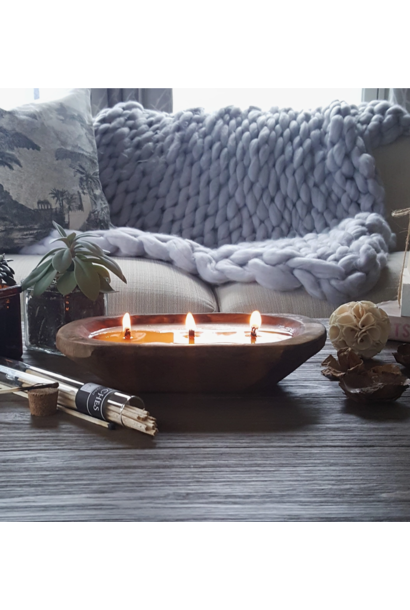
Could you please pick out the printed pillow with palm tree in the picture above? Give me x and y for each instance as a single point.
(49, 171)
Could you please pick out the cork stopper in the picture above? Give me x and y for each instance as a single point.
(42, 401)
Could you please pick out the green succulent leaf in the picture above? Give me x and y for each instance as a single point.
(62, 260)
(36, 274)
(59, 229)
(63, 239)
(85, 234)
(102, 271)
(87, 278)
(44, 282)
(105, 286)
(71, 238)
(66, 283)
(89, 248)
(110, 264)
(114, 267)
(104, 261)
(50, 253)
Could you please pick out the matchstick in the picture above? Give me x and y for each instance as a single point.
(37, 386)
(93, 420)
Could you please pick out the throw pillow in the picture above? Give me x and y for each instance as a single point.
(49, 170)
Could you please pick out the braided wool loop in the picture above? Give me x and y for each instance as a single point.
(242, 176)
(287, 199)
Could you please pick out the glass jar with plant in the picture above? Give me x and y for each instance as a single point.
(69, 283)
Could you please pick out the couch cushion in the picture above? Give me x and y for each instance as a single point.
(49, 170)
(152, 287)
(156, 287)
(245, 298)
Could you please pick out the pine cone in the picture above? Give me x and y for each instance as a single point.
(6, 273)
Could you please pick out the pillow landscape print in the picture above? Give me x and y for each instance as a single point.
(49, 171)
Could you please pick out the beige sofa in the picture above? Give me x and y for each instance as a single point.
(157, 287)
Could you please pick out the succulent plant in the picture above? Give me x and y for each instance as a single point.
(77, 263)
(6, 273)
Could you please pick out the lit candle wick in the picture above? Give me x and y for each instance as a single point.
(255, 322)
(190, 326)
(126, 326)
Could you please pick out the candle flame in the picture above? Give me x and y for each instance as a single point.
(190, 322)
(256, 320)
(126, 323)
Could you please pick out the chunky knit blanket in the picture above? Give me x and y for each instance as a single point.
(283, 198)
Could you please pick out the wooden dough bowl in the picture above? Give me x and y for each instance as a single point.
(153, 367)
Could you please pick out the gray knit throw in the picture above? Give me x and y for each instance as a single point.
(283, 198)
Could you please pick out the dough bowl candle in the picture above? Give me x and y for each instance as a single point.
(219, 352)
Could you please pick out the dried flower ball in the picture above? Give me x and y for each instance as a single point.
(360, 325)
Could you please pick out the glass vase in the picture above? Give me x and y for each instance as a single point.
(44, 315)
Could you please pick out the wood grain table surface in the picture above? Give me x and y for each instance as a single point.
(305, 453)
